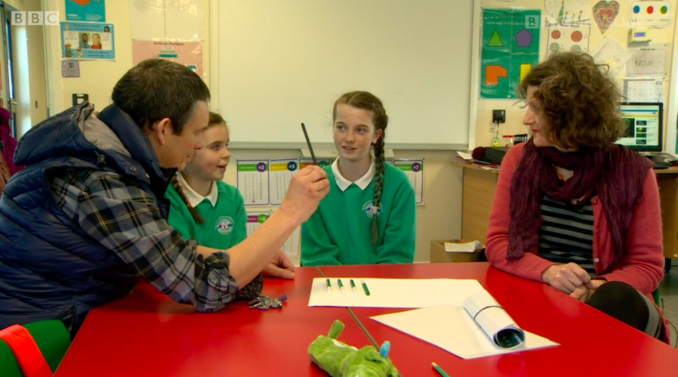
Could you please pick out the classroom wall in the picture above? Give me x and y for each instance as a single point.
(514, 112)
(34, 102)
(97, 77)
(439, 218)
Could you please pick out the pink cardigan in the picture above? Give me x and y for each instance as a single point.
(641, 267)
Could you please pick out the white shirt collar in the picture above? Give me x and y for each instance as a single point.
(344, 183)
(193, 197)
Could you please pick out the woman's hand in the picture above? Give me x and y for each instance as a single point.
(581, 293)
(595, 284)
(565, 277)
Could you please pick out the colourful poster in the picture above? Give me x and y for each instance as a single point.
(567, 12)
(510, 47)
(650, 13)
(414, 170)
(81, 40)
(568, 38)
(86, 10)
(188, 53)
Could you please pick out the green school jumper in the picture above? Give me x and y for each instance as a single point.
(225, 223)
(339, 230)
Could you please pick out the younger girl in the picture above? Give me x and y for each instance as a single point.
(205, 208)
(368, 215)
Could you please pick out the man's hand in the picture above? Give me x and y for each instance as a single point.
(307, 187)
(280, 266)
(565, 277)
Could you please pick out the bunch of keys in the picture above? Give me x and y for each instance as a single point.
(265, 302)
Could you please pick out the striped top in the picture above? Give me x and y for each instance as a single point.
(566, 233)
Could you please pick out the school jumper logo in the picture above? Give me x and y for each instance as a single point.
(224, 225)
(369, 209)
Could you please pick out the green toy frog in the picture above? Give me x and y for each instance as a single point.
(341, 360)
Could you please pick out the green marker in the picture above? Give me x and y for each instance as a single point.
(329, 288)
(439, 370)
(367, 291)
(341, 287)
(355, 291)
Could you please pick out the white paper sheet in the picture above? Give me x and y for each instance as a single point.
(649, 60)
(567, 11)
(465, 156)
(468, 247)
(610, 52)
(452, 329)
(568, 38)
(494, 320)
(644, 89)
(393, 293)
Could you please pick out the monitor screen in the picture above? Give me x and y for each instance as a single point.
(642, 126)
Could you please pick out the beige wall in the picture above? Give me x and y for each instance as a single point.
(440, 216)
(97, 77)
(514, 113)
(36, 101)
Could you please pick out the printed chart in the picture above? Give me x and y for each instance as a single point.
(510, 47)
(650, 13)
(280, 175)
(304, 162)
(255, 219)
(644, 90)
(253, 181)
(414, 170)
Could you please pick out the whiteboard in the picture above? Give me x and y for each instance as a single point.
(281, 63)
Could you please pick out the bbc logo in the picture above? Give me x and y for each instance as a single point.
(35, 18)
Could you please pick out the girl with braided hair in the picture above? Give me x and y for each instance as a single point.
(205, 208)
(368, 215)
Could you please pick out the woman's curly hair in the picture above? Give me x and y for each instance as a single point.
(578, 100)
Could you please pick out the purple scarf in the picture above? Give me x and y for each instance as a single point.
(616, 173)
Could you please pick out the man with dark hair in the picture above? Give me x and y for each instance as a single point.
(86, 217)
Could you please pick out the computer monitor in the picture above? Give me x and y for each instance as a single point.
(642, 126)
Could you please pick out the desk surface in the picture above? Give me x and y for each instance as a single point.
(591, 343)
(661, 173)
(146, 334)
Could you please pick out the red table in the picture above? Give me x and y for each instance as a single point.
(591, 343)
(146, 334)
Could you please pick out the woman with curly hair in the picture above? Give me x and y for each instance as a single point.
(571, 208)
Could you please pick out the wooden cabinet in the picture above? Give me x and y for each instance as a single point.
(478, 191)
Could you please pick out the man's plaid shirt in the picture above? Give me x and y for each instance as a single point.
(126, 220)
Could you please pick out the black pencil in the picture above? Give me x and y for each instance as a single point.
(308, 142)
